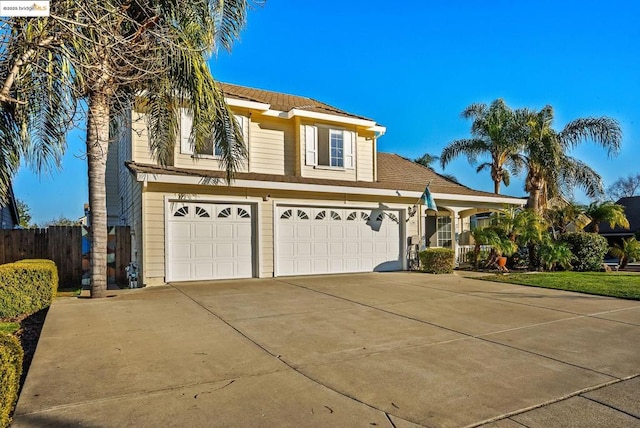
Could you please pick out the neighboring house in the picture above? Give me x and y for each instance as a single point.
(314, 196)
(9, 217)
(632, 211)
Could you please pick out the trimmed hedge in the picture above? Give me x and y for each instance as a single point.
(437, 260)
(11, 356)
(27, 286)
(588, 248)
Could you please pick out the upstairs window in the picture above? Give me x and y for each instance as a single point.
(325, 146)
(210, 150)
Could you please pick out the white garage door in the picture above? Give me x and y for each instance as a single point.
(209, 241)
(337, 240)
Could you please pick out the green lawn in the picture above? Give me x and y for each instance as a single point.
(614, 284)
(9, 327)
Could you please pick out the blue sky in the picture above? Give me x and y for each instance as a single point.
(415, 68)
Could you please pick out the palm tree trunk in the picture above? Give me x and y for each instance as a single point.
(97, 146)
(496, 187)
(534, 200)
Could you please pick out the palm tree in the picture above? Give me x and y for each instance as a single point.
(629, 249)
(427, 160)
(609, 212)
(493, 136)
(561, 217)
(102, 58)
(551, 171)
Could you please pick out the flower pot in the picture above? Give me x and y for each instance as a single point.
(502, 262)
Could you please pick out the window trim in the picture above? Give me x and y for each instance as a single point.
(440, 239)
(312, 142)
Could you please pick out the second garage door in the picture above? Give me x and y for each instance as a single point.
(314, 240)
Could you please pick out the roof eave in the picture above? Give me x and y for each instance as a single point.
(321, 188)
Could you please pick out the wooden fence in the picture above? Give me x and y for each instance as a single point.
(63, 245)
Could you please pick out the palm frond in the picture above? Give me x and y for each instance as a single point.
(471, 148)
(603, 131)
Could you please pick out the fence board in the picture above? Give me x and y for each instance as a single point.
(63, 245)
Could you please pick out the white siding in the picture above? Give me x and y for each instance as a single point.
(140, 139)
(268, 140)
(364, 158)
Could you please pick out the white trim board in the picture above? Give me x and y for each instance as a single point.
(323, 188)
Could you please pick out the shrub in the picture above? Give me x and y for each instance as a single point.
(437, 260)
(588, 248)
(555, 255)
(11, 356)
(27, 286)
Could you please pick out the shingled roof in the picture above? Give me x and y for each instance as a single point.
(632, 211)
(283, 102)
(394, 173)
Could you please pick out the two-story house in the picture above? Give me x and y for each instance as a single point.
(314, 196)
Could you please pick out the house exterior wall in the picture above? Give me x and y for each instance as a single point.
(155, 196)
(275, 146)
(114, 206)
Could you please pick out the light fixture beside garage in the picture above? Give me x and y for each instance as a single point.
(266, 197)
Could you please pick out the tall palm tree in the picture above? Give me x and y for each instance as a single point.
(493, 137)
(609, 212)
(97, 60)
(551, 171)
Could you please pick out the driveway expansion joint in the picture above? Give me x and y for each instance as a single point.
(279, 358)
(468, 335)
(557, 400)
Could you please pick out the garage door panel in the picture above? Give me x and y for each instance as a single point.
(336, 232)
(244, 231)
(286, 251)
(203, 270)
(303, 266)
(335, 248)
(320, 231)
(202, 250)
(224, 250)
(203, 231)
(321, 249)
(303, 231)
(225, 270)
(224, 231)
(209, 241)
(303, 249)
(244, 250)
(181, 232)
(182, 250)
(181, 271)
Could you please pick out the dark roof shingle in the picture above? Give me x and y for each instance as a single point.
(394, 173)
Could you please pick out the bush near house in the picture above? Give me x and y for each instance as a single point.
(27, 286)
(11, 356)
(588, 250)
(437, 260)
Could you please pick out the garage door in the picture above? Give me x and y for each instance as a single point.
(209, 241)
(336, 240)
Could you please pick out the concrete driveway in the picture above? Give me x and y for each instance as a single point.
(380, 349)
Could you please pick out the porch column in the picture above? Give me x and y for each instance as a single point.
(455, 230)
